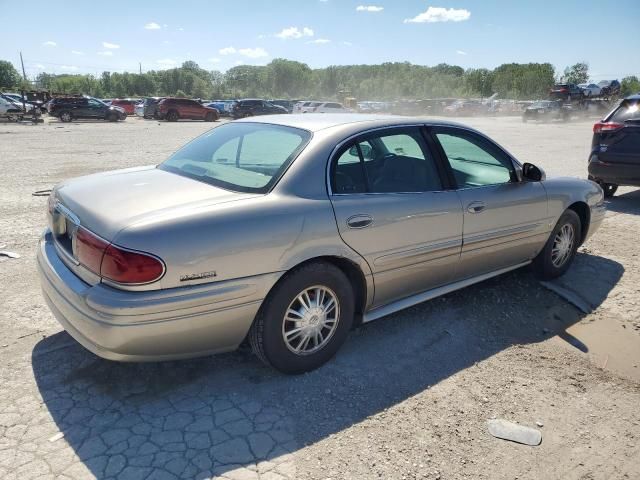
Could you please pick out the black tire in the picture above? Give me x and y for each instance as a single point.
(172, 116)
(65, 116)
(266, 335)
(543, 265)
(113, 117)
(210, 117)
(609, 189)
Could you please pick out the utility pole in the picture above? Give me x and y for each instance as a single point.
(23, 72)
(140, 64)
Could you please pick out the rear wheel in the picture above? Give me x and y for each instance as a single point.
(113, 117)
(172, 116)
(66, 116)
(609, 189)
(560, 249)
(304, 320)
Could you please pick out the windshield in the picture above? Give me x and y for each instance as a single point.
(244, 157)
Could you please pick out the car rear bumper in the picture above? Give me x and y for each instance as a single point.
(615, 173)
(156, 325)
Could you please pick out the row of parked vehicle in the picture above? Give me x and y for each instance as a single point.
(572, 91)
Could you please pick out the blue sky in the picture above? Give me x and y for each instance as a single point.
(83, 36)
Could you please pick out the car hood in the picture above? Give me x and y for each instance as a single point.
(106, 203)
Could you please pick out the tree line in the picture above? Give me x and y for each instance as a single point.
(290, 79)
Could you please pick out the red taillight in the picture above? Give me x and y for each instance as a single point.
(602, 127)
(563, 90)
(115, 263)
(126, 266)
(89, 249)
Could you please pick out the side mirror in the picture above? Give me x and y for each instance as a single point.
(532, 173)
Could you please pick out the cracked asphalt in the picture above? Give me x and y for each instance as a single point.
(407, 397)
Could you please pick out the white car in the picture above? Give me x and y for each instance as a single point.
(590, 89)
(8, 109)
(305, 107)
(331, 107)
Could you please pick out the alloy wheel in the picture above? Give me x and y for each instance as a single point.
(562, 245)
(311, 320)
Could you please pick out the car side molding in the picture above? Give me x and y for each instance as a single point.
(407, 302)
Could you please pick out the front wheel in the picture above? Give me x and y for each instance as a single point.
(66, 117)
(210, 117)
(113, 117)
(304, 320)
(172, 116)
(560, 250)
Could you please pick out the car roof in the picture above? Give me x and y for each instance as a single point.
(316, 122)
(633, 97)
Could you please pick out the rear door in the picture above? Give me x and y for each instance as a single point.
(505, 219)
(621, 145)
(392, 207)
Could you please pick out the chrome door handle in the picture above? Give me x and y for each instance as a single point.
(359, 221)
(476, 207)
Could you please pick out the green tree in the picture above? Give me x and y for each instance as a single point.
(578, 73)
(629, 86)
(9, 76)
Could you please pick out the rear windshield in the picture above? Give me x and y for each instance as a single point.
(628, 110)
(243, 157)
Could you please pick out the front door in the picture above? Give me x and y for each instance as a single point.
(505, 218)
(391, 207)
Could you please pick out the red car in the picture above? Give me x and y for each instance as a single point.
(129, 106)
(173, 109)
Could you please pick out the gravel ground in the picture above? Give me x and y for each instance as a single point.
(407, 397)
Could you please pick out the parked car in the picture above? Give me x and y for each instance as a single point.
(330, 107)
(9, 109)
(224, 107)
(615, 148)
(106, 101)
(127, 104)
(174, 109)
(609, 87)
(249, 107)
(70, 108)
(264, 229)
(305, 107)
(546, 110)
(288, 104)
(566, 92)
(590, 89)
(151, 106)
(465, 107)
(17, 102)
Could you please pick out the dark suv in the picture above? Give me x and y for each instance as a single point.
(566, 92)
(173, 109)
(248, 107)
(615, 149)
(151, 106)
(69, 108)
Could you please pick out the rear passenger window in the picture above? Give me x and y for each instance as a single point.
(628, 110)
(387, 163)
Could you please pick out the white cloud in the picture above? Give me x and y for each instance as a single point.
(439, 14)
(77, 52)
(49, 43)
(152, 26)
(369, 8)
(239, 62)
(215, 60)
(69, 68)
(110, 45)
(258, 52)
(320, 41)
(294, 32)
(347, 44)
(227, 51)
(106, 53)
(180, 29)
(167, 62)
(461, 52)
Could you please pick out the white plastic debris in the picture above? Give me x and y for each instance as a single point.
(6, 253)
(516, 433)
(56, 437)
